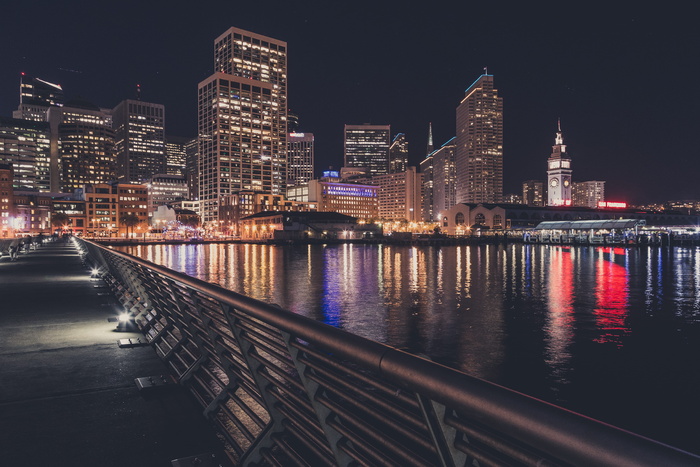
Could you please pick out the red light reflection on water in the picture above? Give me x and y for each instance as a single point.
(560, 303)
(612, 296)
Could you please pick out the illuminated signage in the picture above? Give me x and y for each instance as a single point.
(331, 174)
(612, 204)
(296, 135)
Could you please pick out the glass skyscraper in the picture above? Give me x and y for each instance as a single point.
(368, 146)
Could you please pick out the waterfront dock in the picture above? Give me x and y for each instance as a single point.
(68, 395)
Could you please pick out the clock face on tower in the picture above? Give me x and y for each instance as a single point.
(554, 182)
(566, 183)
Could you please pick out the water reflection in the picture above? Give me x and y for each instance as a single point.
(581, 326)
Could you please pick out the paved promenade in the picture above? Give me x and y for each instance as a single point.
(67, 391)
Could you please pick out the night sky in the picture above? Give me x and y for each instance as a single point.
(624, 81)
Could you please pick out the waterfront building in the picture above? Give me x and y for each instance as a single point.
(7, 202)
(398, 154)
(176, 154)
(286, 226)
(426, 169)
(236, 206)
(102, 214)
(165, 189)
(132, 209)
(469, 218)
(82, 146)
(444, 186)
(32, 212)
(559, 173)
(300, 158)
(75, 211)
(243, 119)
(331, 195)
(139, 129)
(588, 193)
(399, 195)
(35, 97)
(25, 144)
(367, 146)
(479, 144)
(534, 192)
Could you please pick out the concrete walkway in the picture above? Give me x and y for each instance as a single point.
(67, 391)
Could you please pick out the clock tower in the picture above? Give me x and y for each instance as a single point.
(559, 173)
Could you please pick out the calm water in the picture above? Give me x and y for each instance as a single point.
(607, 332)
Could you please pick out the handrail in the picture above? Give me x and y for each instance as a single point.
(282, 388)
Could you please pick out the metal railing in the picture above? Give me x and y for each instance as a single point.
(283, 389)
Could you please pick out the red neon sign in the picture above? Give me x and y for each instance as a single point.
(612, 204)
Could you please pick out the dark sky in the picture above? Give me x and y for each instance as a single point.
(623, 79)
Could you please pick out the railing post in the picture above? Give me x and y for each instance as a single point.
(254, 453)
(440, 433)
(322, 412)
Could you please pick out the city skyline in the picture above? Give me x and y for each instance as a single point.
(600, 74)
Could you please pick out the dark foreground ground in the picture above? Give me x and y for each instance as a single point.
(67, 390)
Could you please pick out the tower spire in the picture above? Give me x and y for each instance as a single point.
(430, 147)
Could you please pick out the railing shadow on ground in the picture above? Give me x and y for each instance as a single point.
(283, 389)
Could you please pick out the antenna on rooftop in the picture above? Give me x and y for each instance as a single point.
(138, 92)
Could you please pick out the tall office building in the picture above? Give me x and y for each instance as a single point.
(534, 192)
(559, 173)
(300, 158)
(479, 151)
(398, 154)
(26, 145)
(176, 154)
(399, 196)
(243, 119)
(426, 169)
(368, 146)
(444, 179)
(82, 145)
(139, 129)
(35, 98)
(192, 168)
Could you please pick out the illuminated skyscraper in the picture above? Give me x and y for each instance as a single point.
(243, 119)
(176, 154)
(368, 146)
(588, 194)
(398, 154)
(426, 169)
(534, 192)
(82, 146)
(140, 140)
(479, 151)
(430, 148)
(444, 179)
(559, 173)
(35, 98)
(26, 145)
(300, 158)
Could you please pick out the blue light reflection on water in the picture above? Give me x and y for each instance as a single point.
(613, 333)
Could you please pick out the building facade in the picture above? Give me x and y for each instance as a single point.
(82, 146)
(176, 154)
(139, 129)
(32, 213)
(243, 119)
(588, 194)
(398, 154)
(132, 209)
(479, 141)
(237, 206)
(534, 192)
(35, 97)
(559, 173)
(165, 189)
(426, 169)
(7, 201)
(444, 178)
(368, 146)
(300, 158)
(25, 144)
(399, 196)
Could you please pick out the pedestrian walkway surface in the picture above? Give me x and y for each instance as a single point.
(67, 391)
